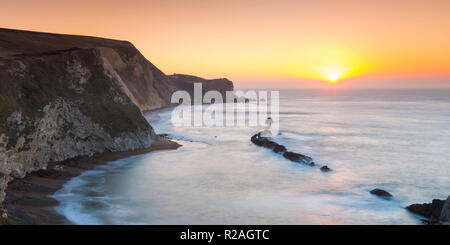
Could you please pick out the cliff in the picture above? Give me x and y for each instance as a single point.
(63, 96)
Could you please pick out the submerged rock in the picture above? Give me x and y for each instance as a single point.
(432, 210)
(381, 193)
(325, 169)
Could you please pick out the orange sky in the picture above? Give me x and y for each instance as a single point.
(404, 43)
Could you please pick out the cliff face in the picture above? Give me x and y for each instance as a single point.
(64, 96)
(139, 79)
(59, 106)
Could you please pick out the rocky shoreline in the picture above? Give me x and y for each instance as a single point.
(28, 201)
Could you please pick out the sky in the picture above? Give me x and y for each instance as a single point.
(265, 43)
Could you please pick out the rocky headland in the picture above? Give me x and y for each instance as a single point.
(65, 96)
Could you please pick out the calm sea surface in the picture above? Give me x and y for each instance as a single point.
(397, 140)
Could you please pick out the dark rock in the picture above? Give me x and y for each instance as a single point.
(279, 148)
(258, 140)
(381, 193)
(296, 157)
(325, 169)
(445, 214)
(263, 141)
(269, 144)
(432, 210)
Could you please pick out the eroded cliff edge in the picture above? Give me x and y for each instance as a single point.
(63, 96)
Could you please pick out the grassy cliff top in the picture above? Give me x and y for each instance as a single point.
(18, 42)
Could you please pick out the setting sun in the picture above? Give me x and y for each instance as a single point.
(332, 74)
(332, 78)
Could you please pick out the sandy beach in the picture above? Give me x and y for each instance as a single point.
(29, 200)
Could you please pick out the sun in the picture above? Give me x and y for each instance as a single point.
(332, 78)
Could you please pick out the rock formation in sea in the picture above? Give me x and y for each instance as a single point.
(63, 96)
(381, 193)
(436, 212)
(265, 142)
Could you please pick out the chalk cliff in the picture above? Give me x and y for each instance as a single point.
(62, 96)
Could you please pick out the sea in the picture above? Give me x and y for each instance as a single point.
(397, 140)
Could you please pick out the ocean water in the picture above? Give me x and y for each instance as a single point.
(397, 140)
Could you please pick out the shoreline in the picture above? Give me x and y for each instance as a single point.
(29, 200)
